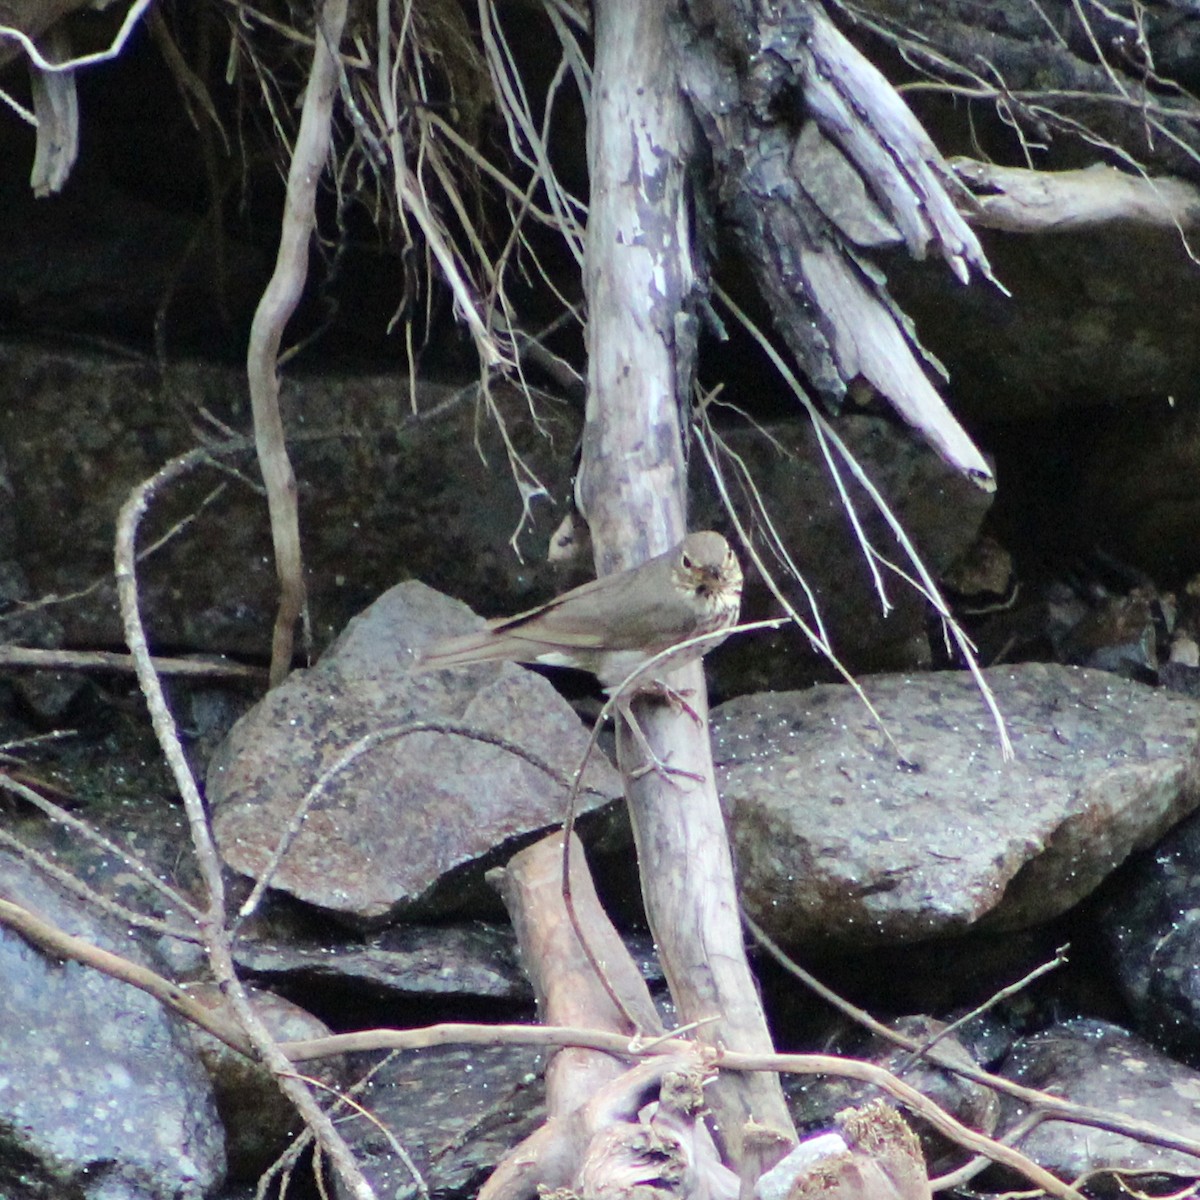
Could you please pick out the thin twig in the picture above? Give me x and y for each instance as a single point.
(84, 60)
(364, 745)
(62, 817)
(64, 945)
(70, 882)
(1054, 1107)
(826, 434)
(815, 636)
(14, 657)
(1050, 1107)
(1005, 993)
(212, 921)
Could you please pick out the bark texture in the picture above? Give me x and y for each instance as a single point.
(640, 278)
(817, 159)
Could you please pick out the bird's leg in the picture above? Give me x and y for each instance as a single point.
(653, 763)
(660, 690)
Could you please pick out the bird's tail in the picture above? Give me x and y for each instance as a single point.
(478, 647)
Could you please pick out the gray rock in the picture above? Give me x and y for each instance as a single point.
(1132, 485)
(101, 1095)
(1103, 1066)
(841, 843)
(405, 962)
(410, 825)
(383, 493)
(457, 1110)
(1151, 919)
(1097, 317)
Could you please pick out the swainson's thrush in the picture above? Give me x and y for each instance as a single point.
(616, 624)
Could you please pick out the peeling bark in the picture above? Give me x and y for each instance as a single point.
(601, 1138)
(791, 111)
(640, 279)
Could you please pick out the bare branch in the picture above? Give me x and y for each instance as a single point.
(27, 657)
(279, 300)
(84, 60)
(1023, 201)
(212, 921)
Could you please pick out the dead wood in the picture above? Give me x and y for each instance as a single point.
(63, 945)
(1024, 201)
(804, 197)
(882, 1161)
(595, 1140)
(212, 919)
(567, 992)
(640, 279)
(525, 1167)
(561, 973)
(309, 157)
(56, 105)
(32, 658)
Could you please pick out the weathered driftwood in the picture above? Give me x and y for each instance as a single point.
(874, 1156)
(791, 112)
(640, 279)
(1024, 201)
(600, 1139)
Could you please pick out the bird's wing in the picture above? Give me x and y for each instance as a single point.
(626, 611)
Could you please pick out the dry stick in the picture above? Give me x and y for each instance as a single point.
(1059, 959)
(347, 1101)
(804, 1064)
(103, 660)
(980, 1162)
(286, 1161)
(1053, 1106)
(642, 285)
(64, 945)
(278, 302)
(212, 921)
(71, 883)
(25, 743)
(915, 1102)
(60, 816)
(623, 691)
(23, 608)
(410, 197)
(84, 60)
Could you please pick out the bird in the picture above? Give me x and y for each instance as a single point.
(615, 625)
(625, 628)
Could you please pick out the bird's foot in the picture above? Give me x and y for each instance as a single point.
(664, 771)
(653, 763)
(658, 690)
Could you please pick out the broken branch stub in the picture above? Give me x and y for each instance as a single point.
(747, 72)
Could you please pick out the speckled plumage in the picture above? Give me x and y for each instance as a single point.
(615, 624)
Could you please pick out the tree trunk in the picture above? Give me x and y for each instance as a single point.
(640, 277)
